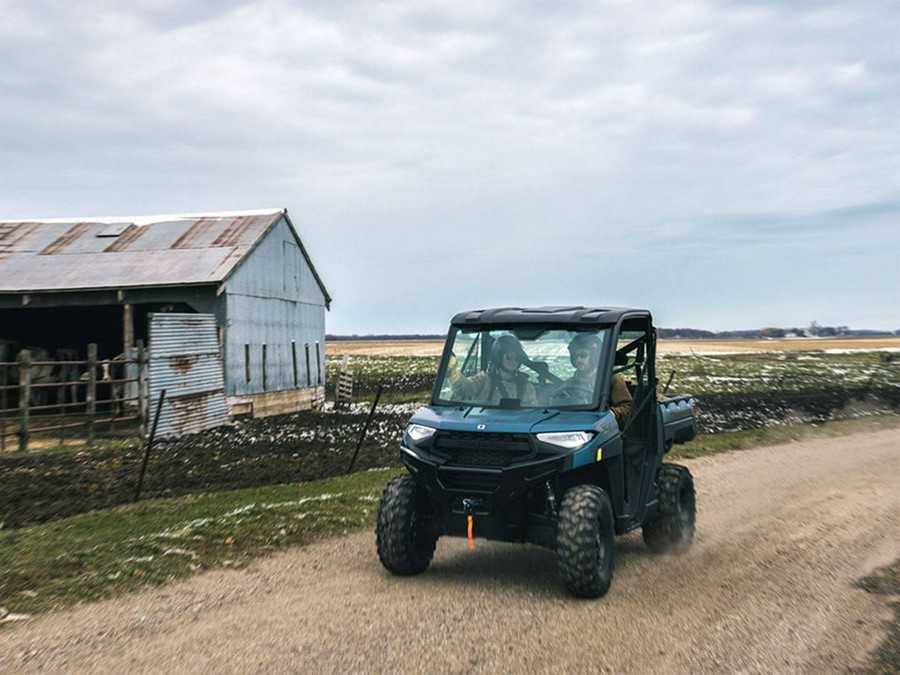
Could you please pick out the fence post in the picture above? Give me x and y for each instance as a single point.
(4, 378)
(90, 398)
(143, 403)
(24, 397)
(365, 430)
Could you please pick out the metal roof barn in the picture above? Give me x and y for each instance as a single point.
(67, 282)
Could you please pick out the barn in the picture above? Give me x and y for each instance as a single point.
(230, 305)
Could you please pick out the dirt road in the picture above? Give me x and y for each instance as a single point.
(783, 533)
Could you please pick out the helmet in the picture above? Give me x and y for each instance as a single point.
(506, 344)
(585, 342)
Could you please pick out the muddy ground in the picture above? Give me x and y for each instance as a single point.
(40, 486)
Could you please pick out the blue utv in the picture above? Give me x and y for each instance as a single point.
(545, 426)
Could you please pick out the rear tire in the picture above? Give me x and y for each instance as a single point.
(585, 541)
(405, 533)
(672, 530)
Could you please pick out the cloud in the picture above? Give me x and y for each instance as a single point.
(414, 143)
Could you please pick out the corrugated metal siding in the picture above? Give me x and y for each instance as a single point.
(257, 321)
(186, 363)
(273, 298)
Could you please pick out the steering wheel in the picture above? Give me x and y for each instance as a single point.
(571, 391)
(543, 371)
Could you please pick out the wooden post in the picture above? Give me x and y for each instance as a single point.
(90, 398)
(127, 328)
(143, 395)
(3, 380)
(24, 397)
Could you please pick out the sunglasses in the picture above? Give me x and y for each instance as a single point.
(581, 355)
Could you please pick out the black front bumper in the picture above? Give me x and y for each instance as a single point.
(506, 503)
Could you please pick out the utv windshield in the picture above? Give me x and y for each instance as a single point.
(526, 367)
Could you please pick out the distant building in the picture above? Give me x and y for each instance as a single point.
(65, 283)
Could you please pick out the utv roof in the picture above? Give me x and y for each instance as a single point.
(550, 315)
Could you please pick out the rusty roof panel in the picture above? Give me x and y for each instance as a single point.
(121, 270)
(201, 234)
(235, 233)
(126, 239)
(26, 237)
(12, 234)
(69, 238)
(162, 250)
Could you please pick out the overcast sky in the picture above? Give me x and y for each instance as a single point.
(725, 164)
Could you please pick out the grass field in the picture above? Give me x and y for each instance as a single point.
(407, 367)
(433, 347)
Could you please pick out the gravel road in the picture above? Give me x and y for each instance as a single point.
(783, 533)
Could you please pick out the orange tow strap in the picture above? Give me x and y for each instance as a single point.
(471, 538)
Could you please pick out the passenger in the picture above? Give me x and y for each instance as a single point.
(501, 380)
(584, 353)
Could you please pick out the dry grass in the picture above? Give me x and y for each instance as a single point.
(776, 345)
(385, 348)
(434, 347)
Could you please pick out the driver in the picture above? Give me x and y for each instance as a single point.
(584, 353)
(501, 380)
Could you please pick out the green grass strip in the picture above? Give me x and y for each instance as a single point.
(105, 553)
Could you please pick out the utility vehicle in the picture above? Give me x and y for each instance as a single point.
(529, 437)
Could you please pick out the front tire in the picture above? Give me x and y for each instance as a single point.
(585, 541)
(405, 533)
(672, 530)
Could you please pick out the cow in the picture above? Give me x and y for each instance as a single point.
(42, 374)
(113, 373)
(67, 372)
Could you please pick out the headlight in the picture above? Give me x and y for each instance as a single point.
(571, 440)
(417, 432)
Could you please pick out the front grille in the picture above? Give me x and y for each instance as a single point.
(468, 448)
(469, 480)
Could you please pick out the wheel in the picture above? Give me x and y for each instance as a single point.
(585, 540)
(672, 530)
(405, 533)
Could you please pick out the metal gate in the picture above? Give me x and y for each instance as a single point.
(185, 361)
